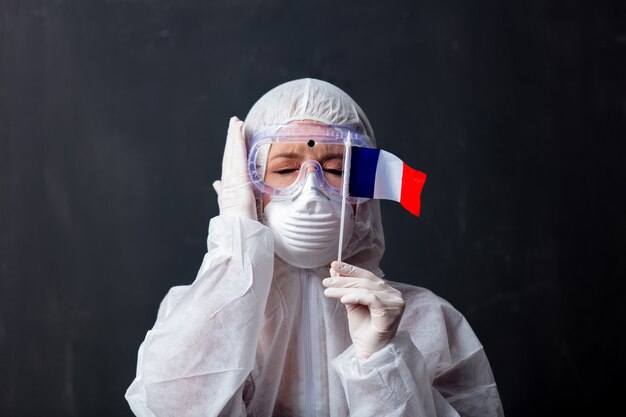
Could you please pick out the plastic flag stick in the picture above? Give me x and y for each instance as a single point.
(344, 193)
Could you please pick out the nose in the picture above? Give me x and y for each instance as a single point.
(310, 184)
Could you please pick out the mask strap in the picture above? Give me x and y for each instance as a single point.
(344, 192)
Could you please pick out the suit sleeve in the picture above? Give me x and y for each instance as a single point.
(197, 358)
(450, 377)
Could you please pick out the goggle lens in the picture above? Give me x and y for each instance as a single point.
(281, 163)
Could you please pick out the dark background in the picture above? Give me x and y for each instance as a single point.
(113, 116)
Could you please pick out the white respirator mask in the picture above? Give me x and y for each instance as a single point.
(306, 226)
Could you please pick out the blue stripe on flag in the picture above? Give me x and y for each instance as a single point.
(363, 171)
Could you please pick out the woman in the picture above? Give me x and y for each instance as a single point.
(263, 330)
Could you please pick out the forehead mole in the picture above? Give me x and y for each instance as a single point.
(311, 143)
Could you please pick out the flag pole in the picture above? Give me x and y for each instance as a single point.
(344, 193)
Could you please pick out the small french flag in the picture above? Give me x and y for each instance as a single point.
(375, 173)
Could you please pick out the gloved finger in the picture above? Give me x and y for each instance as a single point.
(349, 295)
(217, 186)
(234, 161)
(387, 298)
(348, 270)
(365, 299)
(350, 282)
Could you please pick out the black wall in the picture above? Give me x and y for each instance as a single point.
(113, 116)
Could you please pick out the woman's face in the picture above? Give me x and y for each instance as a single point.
(285, 159)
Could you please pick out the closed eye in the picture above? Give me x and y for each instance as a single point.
(285, 171)
(334, 171)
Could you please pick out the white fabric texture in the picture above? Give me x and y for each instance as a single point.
(254, 336)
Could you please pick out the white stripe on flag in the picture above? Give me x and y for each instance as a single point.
(388, 182)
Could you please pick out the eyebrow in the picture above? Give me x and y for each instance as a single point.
(332, 156)
(287, 155)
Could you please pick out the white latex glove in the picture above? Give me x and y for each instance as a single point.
(234, 191)
(374, 308)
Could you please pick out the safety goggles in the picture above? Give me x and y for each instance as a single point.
(282, 159)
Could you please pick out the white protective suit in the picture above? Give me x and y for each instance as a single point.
(255, 336)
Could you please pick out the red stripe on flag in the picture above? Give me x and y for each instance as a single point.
(412, 184)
